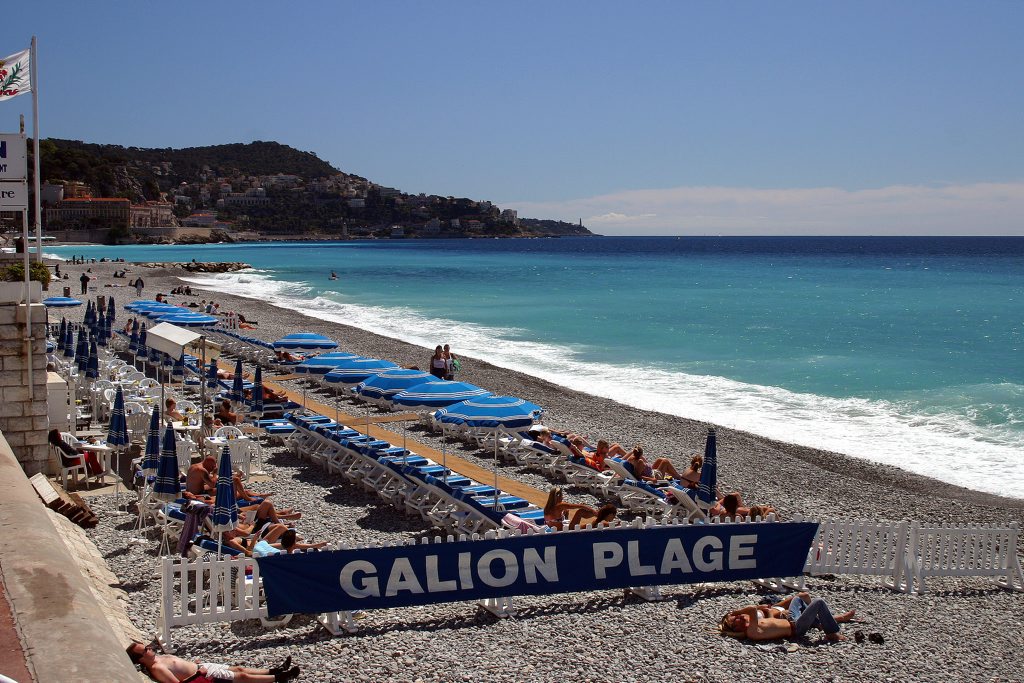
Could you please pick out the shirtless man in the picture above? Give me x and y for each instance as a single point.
(791, 618)
(171, 669)
(200, 481)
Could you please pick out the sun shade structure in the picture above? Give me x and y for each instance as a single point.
(151, 459)
(356, 370)
(304, 341)
(166, 487)
(225, 512)
(439, 394)
(390, 382)
(61, 302)
(707, 490)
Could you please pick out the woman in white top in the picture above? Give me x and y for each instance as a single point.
(438, 364)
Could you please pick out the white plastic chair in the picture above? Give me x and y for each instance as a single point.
(228, 432)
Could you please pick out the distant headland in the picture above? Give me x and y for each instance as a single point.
(241, 192)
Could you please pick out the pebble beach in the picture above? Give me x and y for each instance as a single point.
(960, 630)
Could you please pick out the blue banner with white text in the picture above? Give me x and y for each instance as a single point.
(538, 564)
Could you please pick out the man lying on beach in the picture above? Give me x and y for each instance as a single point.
(171, 669)
(791, 618)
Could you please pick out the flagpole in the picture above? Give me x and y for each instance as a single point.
(34, 77)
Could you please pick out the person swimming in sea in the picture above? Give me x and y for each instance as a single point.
(334, 276)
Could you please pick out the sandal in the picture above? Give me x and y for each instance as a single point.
(876, 638)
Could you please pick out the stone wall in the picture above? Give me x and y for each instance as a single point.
(23, 413)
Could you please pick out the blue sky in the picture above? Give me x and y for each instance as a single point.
(640, 118)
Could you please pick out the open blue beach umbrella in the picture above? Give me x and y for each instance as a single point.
(151, 458)
(324, 363)
(305, 341)
(491, 412)
(390, 382)
(167, 488)
(707, 490)
(211, 375)
(237, 383)
(225, 512)
(92, 366)
(61, 302)
(257, 392)
(188, 319)
(438, 394)
(139, 304)
(117, 432)
(356, 370)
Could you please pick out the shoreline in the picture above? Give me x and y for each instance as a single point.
(870, 489)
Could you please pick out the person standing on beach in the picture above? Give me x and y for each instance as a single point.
(85, 283)
(139, 284)
(438, 364)
(451, 363)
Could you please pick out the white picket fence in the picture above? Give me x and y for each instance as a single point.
(203, 592)
(904, 554)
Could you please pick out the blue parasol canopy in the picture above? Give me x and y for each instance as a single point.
(707, 492)
(151, 458)
(390, 382)
(62, 335)
(324, 363)
(117, 433)
(178, 370)
(237, 383)
(438, 394)
(143, 351)
(101, 330)
(188, 319)
(166, 488)
(355, 370)
(69, 343)
(305, 341)
(110, 309)
(60, 302)
(82, 351)
(491, 412)
(133, 340)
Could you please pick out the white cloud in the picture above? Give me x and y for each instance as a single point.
(948, 209)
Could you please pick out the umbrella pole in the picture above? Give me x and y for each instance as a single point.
(495, 469)
(220, 544)
(336, 399)
(405, 449)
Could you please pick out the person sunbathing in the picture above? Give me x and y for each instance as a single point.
(659, 470)
(557, 512)
(288, 357)
(171, 669)
(200, 481)
(790, 618)
(288, 543)
(729, 505)
(225, 415)
(247, 500)
(691, 477)
(589, 517)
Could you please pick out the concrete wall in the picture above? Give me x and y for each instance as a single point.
(23, 411)
(63, 630)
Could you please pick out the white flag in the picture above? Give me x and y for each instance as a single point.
(14, 75)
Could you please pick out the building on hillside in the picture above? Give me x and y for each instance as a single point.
(89, 213)
(510, 216)
(432, 227)
(51, 193)
(152, 215)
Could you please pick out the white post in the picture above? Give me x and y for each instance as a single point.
(34, 76)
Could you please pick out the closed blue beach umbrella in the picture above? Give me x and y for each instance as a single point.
(355, 370)
(237, 383)
(390, 382)
(117, 433)
(211, 375)
(708, 488)
(69, 343)
(257, 392)
(82, 351)
(110, 309)
(62, 335)
(225, 512)
(101, 330)
(178, 370)
(167, 488)
(151, 459)
(61, 302)
(87, 317)
(143, 351)
(305, 341)
(439, 394)
(133, 340)
(92, 366)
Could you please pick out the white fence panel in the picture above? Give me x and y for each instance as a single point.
(964, 550)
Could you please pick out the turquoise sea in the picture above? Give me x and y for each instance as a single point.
(906, 351)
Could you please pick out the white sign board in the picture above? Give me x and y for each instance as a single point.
(14, 196)
(13, 157)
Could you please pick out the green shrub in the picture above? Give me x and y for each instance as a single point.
(16, 273)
